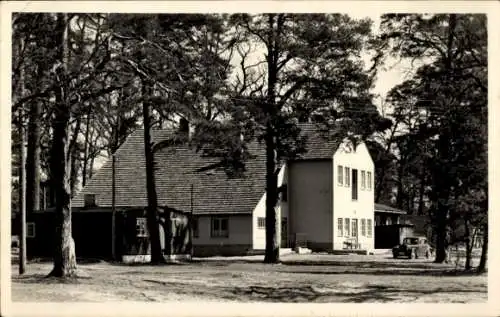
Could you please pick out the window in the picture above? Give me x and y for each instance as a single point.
(363, 180)
(369, 227)
(369, 180)
(30, 230)
(195, 228)
(363, 227)
(354, 184)
(261, 222)
(89, 200)
(340, 176)
(340, 227)
(388, 221)
(396, 220)
(347, 176)
(220, 228)
(141, 227)
(347, 227)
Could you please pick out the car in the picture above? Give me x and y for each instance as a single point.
(412, 248)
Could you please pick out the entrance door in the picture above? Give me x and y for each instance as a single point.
(284, 233)
(354, 232)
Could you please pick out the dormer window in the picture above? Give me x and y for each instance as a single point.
(89, 200)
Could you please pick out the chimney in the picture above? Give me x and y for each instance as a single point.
(185, 129)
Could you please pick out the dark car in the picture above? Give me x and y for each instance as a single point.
(412, 248)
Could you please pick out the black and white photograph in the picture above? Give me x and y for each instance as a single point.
(247, 157)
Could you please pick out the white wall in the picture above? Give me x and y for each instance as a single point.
(310, 203)
(240, 230)
(343, 205)
(259, 234)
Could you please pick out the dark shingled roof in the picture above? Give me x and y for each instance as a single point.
(388, 209)
(180, 166)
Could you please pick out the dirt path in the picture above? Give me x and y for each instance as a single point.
(311, 278)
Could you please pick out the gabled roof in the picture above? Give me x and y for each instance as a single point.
(180, 168)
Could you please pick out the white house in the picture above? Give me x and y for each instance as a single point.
(326, 195)
(329, 203)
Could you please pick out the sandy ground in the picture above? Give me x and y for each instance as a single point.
(300, 278)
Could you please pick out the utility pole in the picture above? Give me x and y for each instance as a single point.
(22, 193)
(113, 180)
(113, 207)
(190, 224)
(22, 171)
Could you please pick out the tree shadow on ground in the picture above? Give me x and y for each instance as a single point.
(392, 271)
(279, 294)
(369, 293)
(148, 264)
(79, 261)
(363, 264)
(43, 279)
(374, 292)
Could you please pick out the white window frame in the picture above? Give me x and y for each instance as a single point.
(363, 227)
(369, 228)
(219, 233)
(33, 232)
(347, 227)
(369, 180)
(340, 176)
(347, 172)
(141, 227)
(340, 227)
(261, 222)
(363, 180)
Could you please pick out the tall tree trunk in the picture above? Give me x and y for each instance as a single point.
(484, 252)
(400, 192)
(272, 241)
(33, 159)
(75, 156)
(441, 179)
(421, 193)
(441, 239)
(64, 253)
(91, 167)
(86, 148)
(468, 245)
(152, 210)
(380, 180)
(22, 167)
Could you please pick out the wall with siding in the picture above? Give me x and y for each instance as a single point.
(310, 203)
(92, 234)
(239, 226)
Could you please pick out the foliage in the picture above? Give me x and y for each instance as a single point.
(446, 104)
